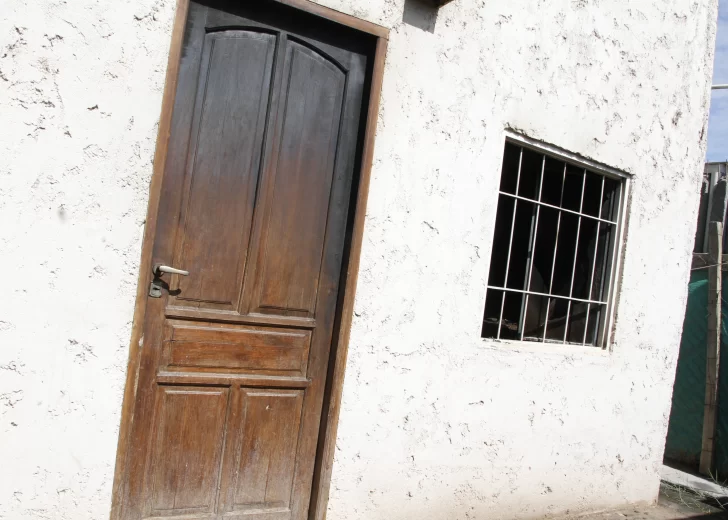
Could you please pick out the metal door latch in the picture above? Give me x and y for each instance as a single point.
(155, 288)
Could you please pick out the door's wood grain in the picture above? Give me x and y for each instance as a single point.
(188, 444)
(293, 239)
(234, 317)
(262, 459)
(260, 350)
(202, 377)
(223, 163)
(261, 165)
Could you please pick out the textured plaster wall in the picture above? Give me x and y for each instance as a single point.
(80, 93)
(436, 422)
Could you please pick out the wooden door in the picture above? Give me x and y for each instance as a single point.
(255, 204)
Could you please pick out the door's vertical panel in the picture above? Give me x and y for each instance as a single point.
(294, 221)
(262, 458)
(185, 463)
(223, 164)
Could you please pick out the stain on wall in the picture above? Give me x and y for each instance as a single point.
(436, 422)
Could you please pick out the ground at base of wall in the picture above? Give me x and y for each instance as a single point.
(675, 502)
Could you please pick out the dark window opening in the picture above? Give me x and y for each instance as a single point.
(553, 250)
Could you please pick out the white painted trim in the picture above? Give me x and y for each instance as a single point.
(565, 155)
(615, 279)
(548, 347)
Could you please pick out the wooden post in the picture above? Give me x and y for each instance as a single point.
(715, 279)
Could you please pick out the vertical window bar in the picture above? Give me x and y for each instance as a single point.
(566, 323)
(594, 265)
(553, 260)
(532, 244)
(510, 244)
(576, 250)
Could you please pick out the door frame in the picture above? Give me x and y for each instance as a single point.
(349, 273)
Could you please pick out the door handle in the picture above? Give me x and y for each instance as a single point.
(160, 269)
(155, 288)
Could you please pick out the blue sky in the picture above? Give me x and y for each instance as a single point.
(718, 125)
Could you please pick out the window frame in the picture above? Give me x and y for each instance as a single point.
(606, 322)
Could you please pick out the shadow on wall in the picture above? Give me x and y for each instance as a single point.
(421, 14)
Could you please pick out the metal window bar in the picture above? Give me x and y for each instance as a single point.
(576, 251)
(556, 296)
(532, 245)
(594, 265)
(577, 213)
(611, 239)
(553, 260)
(609, 261)
(510, 243)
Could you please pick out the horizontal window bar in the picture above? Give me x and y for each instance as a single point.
(533, 293)
(556, 207)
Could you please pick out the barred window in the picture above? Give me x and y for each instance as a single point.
(554, 250)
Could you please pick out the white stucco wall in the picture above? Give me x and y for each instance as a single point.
(80, 93)
(436, 422)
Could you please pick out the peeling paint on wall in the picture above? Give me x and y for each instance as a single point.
(436, 422)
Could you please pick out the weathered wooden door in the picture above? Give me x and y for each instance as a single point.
(255, 204)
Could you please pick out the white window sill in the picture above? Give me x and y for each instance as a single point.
(533, 347)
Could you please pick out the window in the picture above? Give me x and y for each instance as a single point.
(554, 250)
